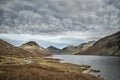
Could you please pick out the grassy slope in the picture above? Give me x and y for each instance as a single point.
(108, 46)
(40, 69)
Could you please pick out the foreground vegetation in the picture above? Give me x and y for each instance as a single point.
(41, 69)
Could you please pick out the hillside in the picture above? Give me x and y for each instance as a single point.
(7, 49)
(109, 45)
(54, 50)
(19, 64)
(34, 48)
(71, 49)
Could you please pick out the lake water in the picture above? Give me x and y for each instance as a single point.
(108, 65)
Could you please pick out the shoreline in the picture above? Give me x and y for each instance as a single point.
(49, 66)
(86, 68)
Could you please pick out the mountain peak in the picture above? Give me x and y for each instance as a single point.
(34, 48)
(109, 45)
(54, 50)
(52, 47)
(5, 44)
(31, 43)
(7, 49)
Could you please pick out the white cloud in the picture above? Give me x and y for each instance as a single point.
(58, 16)
(58, 40)
(61, 38)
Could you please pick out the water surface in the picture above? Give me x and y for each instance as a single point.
(108, 65)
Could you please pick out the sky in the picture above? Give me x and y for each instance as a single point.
(58, 22)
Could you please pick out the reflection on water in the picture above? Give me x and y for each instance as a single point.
(108, 65)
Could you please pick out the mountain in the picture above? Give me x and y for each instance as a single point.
(7, 49)
(85, 46)
(71, 49)
(54, 50)
(34, 48)
(30, 43)
(109, 46)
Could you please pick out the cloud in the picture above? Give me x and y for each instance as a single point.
(49, 38)
(59, 41)
(59, 16)
(58, 22)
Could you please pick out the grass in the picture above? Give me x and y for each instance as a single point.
(66, 67)
(11, 60)
(39, 72)
(41, 69)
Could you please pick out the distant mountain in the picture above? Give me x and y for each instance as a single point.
(54, 50)
(30, 43)
(109, 45)
(34, 48)
(7, 49)
(85, 46)
(71, 49)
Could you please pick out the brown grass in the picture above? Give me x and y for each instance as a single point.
(39, 72)
(41, 69)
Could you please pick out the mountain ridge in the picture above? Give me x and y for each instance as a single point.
(109, 45)
(54, 50)
(71, 49)
(30, 43)
(7, 49)
(34, 48)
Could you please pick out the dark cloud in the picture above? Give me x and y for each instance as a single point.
(116, 3)
(58, 16)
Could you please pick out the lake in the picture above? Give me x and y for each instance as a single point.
(108, 65)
